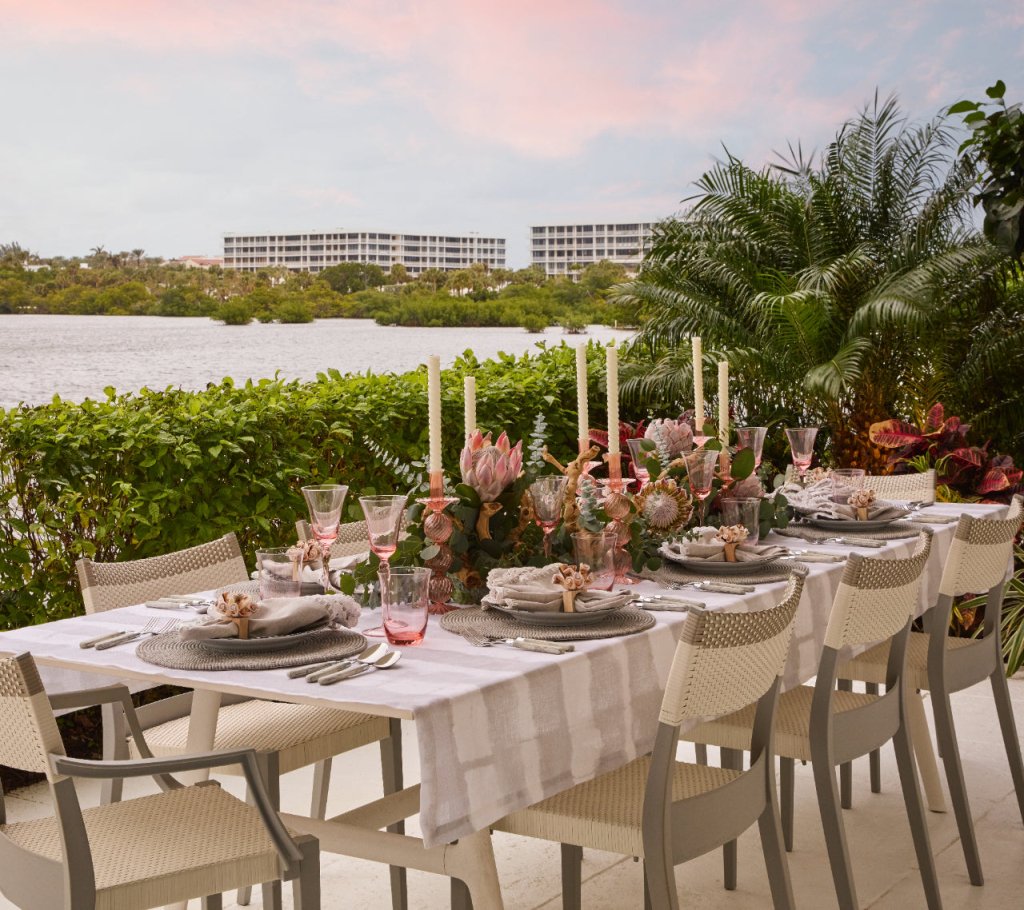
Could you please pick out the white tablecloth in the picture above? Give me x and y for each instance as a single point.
(498, 729)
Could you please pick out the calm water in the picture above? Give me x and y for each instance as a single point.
(77, 356)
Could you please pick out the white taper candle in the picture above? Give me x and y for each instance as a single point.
(434, 410)
(698, 384)
(613, 399)
(582, 406)
(469, 393)
(723, 402)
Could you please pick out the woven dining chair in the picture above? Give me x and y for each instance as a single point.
(353, 539)
(978, 562)
(893, 487)
(876, 600)
(286, 736)
(666, 811)
(180, 843)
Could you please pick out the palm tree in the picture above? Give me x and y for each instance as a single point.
(827, 286)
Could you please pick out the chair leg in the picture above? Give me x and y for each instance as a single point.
(1001, 693)
(875, 757)
(660, 880)
(846, 769)
(732, 759)
(460, 899)
(787, 786)
(647, 892)
(115, 746)
(915, 814)
(950, 751)
(770, 826)
(306, 887)
(391, 774)
(212, 902)
(572, 877)
(321, 787)
(835, 834)
(702, 753)
(924, 752)
(272, 780)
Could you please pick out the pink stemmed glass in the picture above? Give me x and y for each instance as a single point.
(639, 455)
(700, 472)
(325, 502)
(547, 493)
(801, 444)
(752, 438)
(383, 525)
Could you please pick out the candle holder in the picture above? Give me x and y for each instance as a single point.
(437, 527)
(618, 506)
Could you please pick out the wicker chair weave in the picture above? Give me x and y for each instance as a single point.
(980, 554)
(727, 660)
(109, 585)
(28, 731)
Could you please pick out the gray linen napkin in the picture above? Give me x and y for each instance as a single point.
(533, 589)
(281, 616)
(715, 552)
(879, 510)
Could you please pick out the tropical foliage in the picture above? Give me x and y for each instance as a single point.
(841, 291)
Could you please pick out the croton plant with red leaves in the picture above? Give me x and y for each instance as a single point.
(969, 470)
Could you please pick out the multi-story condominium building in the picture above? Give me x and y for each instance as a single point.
(313, 252)
(561, 248)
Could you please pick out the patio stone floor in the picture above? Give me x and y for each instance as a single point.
(881, 850)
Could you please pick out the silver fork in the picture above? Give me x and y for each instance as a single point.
(153, 627)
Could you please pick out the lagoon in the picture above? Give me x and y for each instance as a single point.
(76, 357)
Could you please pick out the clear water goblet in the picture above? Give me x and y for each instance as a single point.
(383, 525)
(752, 438)
(846, 482)
(547, 493)
(801, 444)
(325, 502)
(746, 512)
(700, 473)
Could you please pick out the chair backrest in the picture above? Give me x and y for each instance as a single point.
(28, 730)
(109, 585)
(979, 556)
(352, 539)
(904, 487)
(876, 597)
(726, 661)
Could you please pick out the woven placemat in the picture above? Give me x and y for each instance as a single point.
(896, 531)
(493, 624)
(673, 573)
(252, 588)
(168, 650)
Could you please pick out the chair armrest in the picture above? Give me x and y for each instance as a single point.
(88, 698)
(161, 768)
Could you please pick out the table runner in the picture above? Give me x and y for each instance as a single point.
(500, 729)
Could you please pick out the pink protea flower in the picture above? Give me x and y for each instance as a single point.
(490, 468)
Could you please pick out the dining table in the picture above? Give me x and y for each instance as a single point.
(497, 728)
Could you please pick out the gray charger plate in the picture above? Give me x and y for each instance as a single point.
(852, 524)
(257, 645)
(710, 567)
(546, 618)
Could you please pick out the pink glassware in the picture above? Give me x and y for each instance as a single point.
(700, 473)
(383, 525)
(325, 502)
(801, 444)
(752, 438)
(640, 455)
(598, 552)
(547, 494)
(406, 600)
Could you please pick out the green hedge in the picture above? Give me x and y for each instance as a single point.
(142, 474)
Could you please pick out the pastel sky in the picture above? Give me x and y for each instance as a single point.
(161, 125)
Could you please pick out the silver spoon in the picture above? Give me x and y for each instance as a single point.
(313, 672)
(385, 663)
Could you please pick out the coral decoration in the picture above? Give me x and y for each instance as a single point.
(573, 578)
(490, 468)
(733, 534)
(306, 551)
(664, 506)
(861, 499)
(233, 605)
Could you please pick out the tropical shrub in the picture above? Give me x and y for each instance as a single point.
(142, 474)
(840, 291)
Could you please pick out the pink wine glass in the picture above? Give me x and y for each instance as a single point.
(325, 502)
(801, 444)
(383, 525)
(752, 438)
(700, 472)
(547, 493)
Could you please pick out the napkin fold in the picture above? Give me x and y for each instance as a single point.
(282, 616)
(879, 510)
(715, 552)
(532, 589)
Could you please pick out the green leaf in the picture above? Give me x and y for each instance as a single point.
(962, 107)
(467, 494)
(648, 445)
(347, 584)
(743, 464)
(996, 91)
(653, 564)
(429, 552)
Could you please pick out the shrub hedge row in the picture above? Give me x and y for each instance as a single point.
(146, 473)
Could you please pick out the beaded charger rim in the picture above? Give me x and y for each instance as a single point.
(169, 650)
(497, 625)
(897, 530)
(758, 575)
